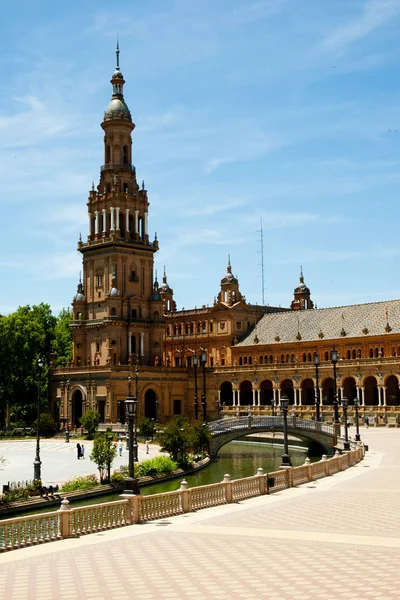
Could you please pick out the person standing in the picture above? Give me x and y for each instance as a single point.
(83, 451)
(120, 447)
(78, 450)
(147, 446)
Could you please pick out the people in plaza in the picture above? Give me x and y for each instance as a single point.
(78, 450)
(120, 447)
(366, 421)
(147, 446)
(83, 451)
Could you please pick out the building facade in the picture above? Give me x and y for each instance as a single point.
(127, 331)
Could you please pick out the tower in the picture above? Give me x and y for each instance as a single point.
(302, 295)
(167, 295)
(229, 293)
(117, 315)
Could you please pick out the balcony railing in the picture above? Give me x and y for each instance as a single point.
(111, 166)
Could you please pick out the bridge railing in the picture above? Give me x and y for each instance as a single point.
(73, 522)
(261, 422)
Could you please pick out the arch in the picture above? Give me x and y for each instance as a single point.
(266, 393)
(350, 389)
(150, 404)
(122, 220)
(113, 311)
(108, 154)
(77, 407)
(125, 155)
(287, 388)
(226, 395)
(245, 393)
(348, 354)
(307, 392)
(327, 391)
(353, 354)
(392, 391)
(261, 359)
(371, 396)
(326, 356)
(271, 359)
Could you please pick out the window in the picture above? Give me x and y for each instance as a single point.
(304, 357)
(126, 187)
(97, 346)
(240, 360)
(282, 358)
(223, 362)
(245, 360)
(250, 360)
(99, 280)
(348, 354)
(133, 276)
(113, 312)
(261, 360)
(133, 313)
(371, 353)
(211, 326)
(211, 361)
(125, 155)
(326, 356)
(108, 188)
(238, 324)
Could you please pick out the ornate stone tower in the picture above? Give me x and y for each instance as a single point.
(302, 296)
(229, 293)
(117, 311)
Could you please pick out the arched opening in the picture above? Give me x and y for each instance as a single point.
(77, 402)
(350, 389)
(125, 155)
(226, 395)
(327, 391)
(150, 404)
(246, 393)
(113, 311)
(371, 397)
(266, 393)
(287, 388)
(392, 391)
(141, 228)
(307, 392)
(122, 223)
(108, 154)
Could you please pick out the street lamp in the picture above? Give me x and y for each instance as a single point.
(135, 444)
(203, 360)
(37, 462)
(66, 402)
(357, 437)
(334, 359)
(346, 445)
(196, 404)
(316, 364)
(286, 462)
(131, 484)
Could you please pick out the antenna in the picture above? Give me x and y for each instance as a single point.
(260, 231)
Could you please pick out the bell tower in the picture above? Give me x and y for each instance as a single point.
(229, 293)
(117, 319)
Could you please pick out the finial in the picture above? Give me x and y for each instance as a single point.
(156, 275)
(92, 186)
(143, 185)
(229, 259)
(301, 274)
(117, 53)
(155, 236)
(165, 274)
(80, 237)
(80, 276)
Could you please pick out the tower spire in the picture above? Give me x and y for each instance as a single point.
(117, 53)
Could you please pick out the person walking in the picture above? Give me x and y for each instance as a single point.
(120, 447)
(78, 450)
(147, 446)
(83, 451)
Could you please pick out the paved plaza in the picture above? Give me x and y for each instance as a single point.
(59, 460)
(332, 539)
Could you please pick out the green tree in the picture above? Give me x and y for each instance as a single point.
(62, 343)
(90, 421)
(200, 437)
(103, 453)
(147, 428)
(47, 425)
(176, 439)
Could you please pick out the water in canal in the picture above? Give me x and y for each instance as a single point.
(239, 459)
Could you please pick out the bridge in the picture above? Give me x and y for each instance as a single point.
(224, 431)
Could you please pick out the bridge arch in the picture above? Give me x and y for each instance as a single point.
(226, 393)
(246, 393)
(287, 388)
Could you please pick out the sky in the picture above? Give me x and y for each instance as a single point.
(280, 112)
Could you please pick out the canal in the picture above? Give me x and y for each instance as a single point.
(239, 459)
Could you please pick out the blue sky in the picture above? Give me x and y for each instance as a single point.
(282, 110)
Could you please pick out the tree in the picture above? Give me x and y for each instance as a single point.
(103, 453)
(47, 425)
(200, 437)
(176, 439)
(90, 421)
(147, 428)
(62, 343)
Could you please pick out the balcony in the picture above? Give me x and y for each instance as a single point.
(112, 166)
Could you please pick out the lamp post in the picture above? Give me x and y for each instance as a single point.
(66, 407)
(37, 462)
(196, 403)
(286, 462)
(316, 364)
(357, 437)
(203, 360)
(131, 486)
(346, 445)
(334, 359)
(135, 444)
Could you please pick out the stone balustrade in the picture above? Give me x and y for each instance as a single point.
(73, 522)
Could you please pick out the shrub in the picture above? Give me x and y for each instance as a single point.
(118, 477)
(90, 421)
(80, 483)
(47, 425)
(157, 466)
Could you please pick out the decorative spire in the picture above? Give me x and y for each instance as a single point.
(164, 276)
(117, 53)
(143, 188)
(80, 276)
(301, 274)
(229, 264)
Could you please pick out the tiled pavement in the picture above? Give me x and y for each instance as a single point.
(337, 538)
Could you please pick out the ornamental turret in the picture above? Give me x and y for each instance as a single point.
(302, 296)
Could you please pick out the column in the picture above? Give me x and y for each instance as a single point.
(145, 224)
(117, 211)
(141, 343)
(384, 394)
(254, 397)
(96, 222)
(129, 342)
(258, 397)
(127, 219)
(90, 223)
(362, 397)
(379, 395)
(136, 221)
(104, 220)
(341, 394)
(234, 397)
(112, 218)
